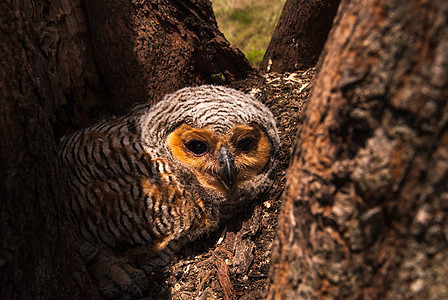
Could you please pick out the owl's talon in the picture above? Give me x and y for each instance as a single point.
(108, 290)
(116, 279)
(139, 280)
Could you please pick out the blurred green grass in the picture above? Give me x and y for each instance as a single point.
(248, 24)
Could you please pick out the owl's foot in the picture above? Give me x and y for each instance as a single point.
(117, 279)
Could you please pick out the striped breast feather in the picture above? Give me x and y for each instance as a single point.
(140, 211)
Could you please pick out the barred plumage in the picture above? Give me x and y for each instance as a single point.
(148, 182)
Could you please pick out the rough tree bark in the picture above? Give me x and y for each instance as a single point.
(150, 48)
(300, 35)
(366, 199)
(64, 64)
(37, 257)
(108, 55)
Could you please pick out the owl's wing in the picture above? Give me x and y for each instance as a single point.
(106, 150)
(123, 195)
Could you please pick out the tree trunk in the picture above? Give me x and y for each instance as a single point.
(300, 35)
(146, 49)
(64, 65)
(37, 257)
(366, 199)
(108, 55)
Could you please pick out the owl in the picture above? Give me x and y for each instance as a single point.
(149, 182)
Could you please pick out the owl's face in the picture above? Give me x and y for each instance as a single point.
(227, 139)
(221, 161)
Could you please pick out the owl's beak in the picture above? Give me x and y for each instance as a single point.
(226, 167)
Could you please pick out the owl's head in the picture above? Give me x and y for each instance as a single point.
(226, 138)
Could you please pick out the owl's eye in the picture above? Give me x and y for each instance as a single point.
(246, 144)
(197, 147)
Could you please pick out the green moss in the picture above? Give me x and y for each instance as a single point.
(240, 16)
(248, 24)
(255, 56)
